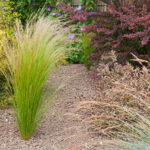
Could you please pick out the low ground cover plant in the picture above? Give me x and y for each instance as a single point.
(37, 50)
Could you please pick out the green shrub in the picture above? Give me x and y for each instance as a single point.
(75, 56)
(81, 49)
(27, 7)
(7, 22)
(37, 50)
(86, 48)
(3, 91)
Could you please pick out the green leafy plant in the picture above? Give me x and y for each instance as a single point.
(90, 4)
(27, 7)
(75, 55)
(81, 49)
(32, 57)
(7, 21)
(86, 48)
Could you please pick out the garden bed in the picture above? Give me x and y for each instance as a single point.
(61, 128)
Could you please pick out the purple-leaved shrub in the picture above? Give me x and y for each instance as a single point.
(124, 27)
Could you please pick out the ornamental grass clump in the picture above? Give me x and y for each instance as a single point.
(38, 49)
(121, 108)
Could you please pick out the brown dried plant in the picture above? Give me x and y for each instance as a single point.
(122, 106)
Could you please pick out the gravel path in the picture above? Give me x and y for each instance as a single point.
(60, 129)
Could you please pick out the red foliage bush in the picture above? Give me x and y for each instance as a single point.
(124, 27)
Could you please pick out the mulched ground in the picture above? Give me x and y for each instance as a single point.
(61, 128)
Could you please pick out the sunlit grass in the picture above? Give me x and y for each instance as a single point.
(36, 52)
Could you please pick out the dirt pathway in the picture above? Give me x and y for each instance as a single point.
(60, 129)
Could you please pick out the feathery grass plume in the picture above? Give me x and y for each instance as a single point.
(121, 110)
(36, 52)
(139, 137)
(129, 89)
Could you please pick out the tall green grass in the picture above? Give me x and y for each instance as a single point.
(38, 48)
